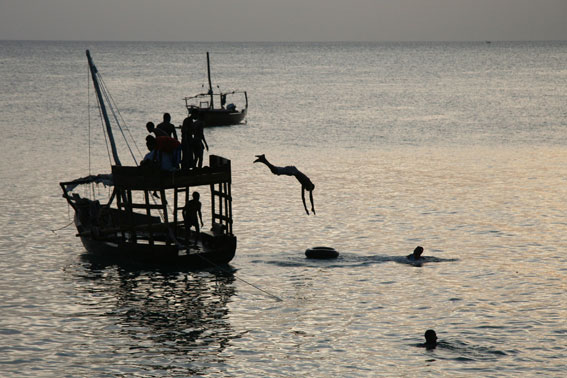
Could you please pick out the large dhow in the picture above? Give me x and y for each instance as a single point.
(217, 108)
(141, 217)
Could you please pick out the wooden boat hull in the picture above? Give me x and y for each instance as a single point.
(213, 251)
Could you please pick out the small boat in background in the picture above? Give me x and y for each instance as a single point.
(217, 109)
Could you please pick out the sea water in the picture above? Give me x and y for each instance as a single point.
(458, 147)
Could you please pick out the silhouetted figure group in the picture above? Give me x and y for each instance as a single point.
(306, 184)
(164, 153)
(165, 150)
(167, 153)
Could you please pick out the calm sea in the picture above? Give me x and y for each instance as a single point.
(458, 147)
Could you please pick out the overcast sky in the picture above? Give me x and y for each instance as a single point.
(284, 20)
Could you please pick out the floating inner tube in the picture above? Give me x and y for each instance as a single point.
(321, 253)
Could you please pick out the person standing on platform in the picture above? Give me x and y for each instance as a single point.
(167, 126)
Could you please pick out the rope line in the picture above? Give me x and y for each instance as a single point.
(241, 279)
(217, 266)
(124, 123)
(115, 113)
(61, 228)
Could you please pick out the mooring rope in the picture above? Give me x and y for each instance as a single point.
(217, 266)
(241, 279)
(59, 229)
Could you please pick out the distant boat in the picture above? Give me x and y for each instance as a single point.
(141, 219)
(218, 109)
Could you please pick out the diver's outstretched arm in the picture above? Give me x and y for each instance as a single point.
(312, 204)
(303, 199)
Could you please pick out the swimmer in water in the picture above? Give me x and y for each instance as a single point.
(416, 255)
(306, 184)
(430, 340)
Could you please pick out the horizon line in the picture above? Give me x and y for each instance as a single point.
(282, 41)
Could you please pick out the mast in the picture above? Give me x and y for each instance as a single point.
(103, 108)
(210, 84)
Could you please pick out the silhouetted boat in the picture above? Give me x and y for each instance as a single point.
(216, 109)
(133, 224)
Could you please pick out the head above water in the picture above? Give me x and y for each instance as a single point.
(417, 252)
(430, 337)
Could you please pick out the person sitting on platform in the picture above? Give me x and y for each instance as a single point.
(306, 184)
(191, 211)
(165, 152)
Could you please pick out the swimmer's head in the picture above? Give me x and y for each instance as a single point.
(417, 253)
(430, 337)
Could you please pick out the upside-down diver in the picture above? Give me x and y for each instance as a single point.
(291, 170)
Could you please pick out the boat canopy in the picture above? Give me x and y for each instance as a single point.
(105, 179)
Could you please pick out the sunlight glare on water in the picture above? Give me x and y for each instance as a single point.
(457, 147)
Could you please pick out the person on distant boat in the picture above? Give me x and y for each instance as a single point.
(152, 130)
(191, 211)
(291, 170)
(430, 340)
(187, 157)
(416, 255)
(167, 126)
(199, 143)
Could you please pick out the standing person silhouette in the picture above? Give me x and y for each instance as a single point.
(191, 211)
(187, 158)
(291, 170)
(167, 126)
(199, 143)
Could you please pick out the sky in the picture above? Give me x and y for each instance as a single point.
(283, 20)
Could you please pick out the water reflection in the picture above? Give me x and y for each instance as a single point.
(159, 315)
